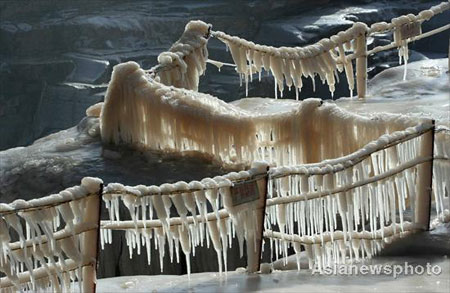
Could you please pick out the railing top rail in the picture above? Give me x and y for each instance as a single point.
(184, 187)
(422, 16)
(308, 51)
(442, 128)
(89, 186)
(335, 40)
(339, 164)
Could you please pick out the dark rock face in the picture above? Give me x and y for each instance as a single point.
(56, 56)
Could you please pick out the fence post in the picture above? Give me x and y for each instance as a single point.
(425, 178)
(254, 253)
(90, 242)
(361, 65)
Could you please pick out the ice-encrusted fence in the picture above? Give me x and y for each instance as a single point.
(289, 65)
(50, 243)
(441, 173)
(335, 210)
(186, 60)
(237, 201)
(352, 205)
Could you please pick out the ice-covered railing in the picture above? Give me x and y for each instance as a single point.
(146, 114)
(50, 243)
(352, 205)
(289, 65)
(153, 216)
(185, 61)
(336, 210)
(329, 56)
(441, 173)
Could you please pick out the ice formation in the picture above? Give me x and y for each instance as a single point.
(350, 205)
(185, 61)
(337, 210)
(152, 220)
(441, 172)
(42, 241)
(146, 114)
(289, 65)
(338, 193)
(332, 248)
(402, 28)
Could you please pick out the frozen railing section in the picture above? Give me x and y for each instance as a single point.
(146, 114)
(352, 205)
(50, 243)
(236, 202)
(185, 61)
(289, 65)
(441, 173)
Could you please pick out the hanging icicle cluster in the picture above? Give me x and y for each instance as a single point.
(48, 254)
(441, 172)
(348, 205)
(332, 248)
(289, 65)
(407, 26)
(150, 208)
(185, 61)
(147, 114)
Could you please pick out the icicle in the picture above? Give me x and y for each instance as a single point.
(297, 250)
(309, 253)
(215, 237)
(161, 245)
(186, 247)
(223, 234)
(275, 67)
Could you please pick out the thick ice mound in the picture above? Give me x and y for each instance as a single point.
(146, 114)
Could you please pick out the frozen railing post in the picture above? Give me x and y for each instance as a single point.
(255, 189)
(425, 177)
(254, 259)
(91, 241)
(361, 65)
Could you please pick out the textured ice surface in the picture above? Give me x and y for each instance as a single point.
(424, 93)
